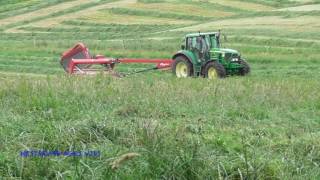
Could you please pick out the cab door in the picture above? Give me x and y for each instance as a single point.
(193, 46)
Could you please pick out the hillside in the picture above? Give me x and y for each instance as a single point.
(261, 126)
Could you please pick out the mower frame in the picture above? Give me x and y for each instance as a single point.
(78, 60)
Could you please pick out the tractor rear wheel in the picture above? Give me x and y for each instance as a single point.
(246, 68)
(181, 67)
(214, 70)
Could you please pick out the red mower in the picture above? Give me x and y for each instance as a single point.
(78, 60)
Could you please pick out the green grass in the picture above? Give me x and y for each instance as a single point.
(275, 134)
(261, 126)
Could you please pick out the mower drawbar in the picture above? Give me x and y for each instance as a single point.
(78, 60)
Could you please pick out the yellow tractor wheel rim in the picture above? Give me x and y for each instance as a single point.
(182, 70)
(212, 73)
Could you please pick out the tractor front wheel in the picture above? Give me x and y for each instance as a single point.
(214, 70)
(246, 68)
(181, 67)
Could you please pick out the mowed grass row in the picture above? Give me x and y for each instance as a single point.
(283, 3)
(15, 5)
(159, 10)
(256, 25)
(82, 6)
(18, 7)
(112, 30)
(181, 128)
(58, 13)
(133, 11)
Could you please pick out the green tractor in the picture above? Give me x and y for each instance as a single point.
(202, 55)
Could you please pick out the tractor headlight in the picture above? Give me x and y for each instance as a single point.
(234, 59)
(223, 54)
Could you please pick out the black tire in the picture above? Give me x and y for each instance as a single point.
(246, 69)
(182, 59)
(220, 70)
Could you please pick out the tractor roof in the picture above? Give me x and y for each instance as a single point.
(200, 34)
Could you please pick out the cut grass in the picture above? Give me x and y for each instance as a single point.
(281, 3)
(50, 13)
(118, 16)
(23, 7)
(55, 21)
(313, 7)
(40, 12)
(16, 5)
(182, 9)
(109, 29)
(244, 5)
(267, 22)
(156, 14)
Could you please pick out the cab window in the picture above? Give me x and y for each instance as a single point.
(214, 42)
(191, 43)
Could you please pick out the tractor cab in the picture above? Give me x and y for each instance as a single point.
(210, 40)
(201, 44)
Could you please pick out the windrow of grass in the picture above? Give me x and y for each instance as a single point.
(287, 14)
(14, 5)
(57, 14)
(22, 7)
(145, 10)
(275, 46)
(218, 6)
(122, 27)
(306, 38)
(283, 3)
(135, 30)
(156, 14)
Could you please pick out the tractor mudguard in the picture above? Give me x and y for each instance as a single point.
(193, 60)
(191, 57)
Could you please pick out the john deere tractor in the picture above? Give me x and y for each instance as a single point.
(201, 55)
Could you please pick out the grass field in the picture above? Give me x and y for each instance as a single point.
(153, 125)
